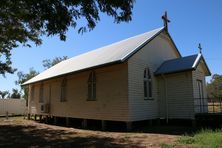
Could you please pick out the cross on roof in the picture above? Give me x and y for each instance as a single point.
(165, 20)
(200, 48)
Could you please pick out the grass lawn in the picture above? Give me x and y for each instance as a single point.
(203, 139)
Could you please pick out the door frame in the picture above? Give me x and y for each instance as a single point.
(200, 94)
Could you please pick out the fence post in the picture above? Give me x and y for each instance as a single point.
(220, 104)
(6, 114)
(208, 105)
(213, 106)
(200, 105)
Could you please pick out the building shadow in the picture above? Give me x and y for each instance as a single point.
(31, 136)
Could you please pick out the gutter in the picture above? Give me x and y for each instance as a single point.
(70, 73)
(173, 72)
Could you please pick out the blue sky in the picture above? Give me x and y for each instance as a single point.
(192, 22)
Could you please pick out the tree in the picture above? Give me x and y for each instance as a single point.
(22, 77)
(4, 94)
(214, 87)
(49, 63)
(15, 94)
(22, 21)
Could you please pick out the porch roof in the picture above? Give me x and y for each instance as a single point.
(182, 64)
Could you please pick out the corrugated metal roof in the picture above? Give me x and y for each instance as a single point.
(179, 64)
(117, 52)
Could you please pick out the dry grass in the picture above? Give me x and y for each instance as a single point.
(18, 132)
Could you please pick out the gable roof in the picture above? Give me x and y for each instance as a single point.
(181, 64)
(115, 53)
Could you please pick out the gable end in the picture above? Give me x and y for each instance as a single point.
(148, 41)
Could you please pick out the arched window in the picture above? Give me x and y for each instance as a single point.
(63, 90)
(41, 92)
(32, 93)
(92, 86)
(147, 84)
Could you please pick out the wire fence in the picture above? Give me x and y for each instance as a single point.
(208, 105)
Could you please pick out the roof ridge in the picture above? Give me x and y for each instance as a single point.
(102, 56)
(93, 50)
(101, 48)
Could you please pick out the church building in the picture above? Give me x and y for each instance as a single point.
(140, 78)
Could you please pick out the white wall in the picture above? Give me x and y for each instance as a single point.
(152, 55)
(199, 74)
(179, 96)
(111, 95)
(12, 106)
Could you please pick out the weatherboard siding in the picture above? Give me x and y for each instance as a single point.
(199, 75)
(34, 104)
(111, 95)
(179, 93)
(152, 55)
(33, 100)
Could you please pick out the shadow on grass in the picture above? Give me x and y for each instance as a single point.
(173, 128)
(167, 129)
(31, 136)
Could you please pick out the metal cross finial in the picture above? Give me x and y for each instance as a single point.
(165, 20)
(200, 48)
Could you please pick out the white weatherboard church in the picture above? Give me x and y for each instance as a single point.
(140, 78)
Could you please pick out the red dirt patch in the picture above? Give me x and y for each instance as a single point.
(19, 132)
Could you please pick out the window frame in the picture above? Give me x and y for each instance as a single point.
(147, 84)
(41, 93)
(32, 95)
(91, 86)
(63, 90)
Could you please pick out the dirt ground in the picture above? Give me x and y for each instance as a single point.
(19, 132)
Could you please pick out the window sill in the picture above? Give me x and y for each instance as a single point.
(90, 100)
(149, 99)
(63, 101)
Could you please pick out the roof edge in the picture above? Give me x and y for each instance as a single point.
(173, 72)
(197, 61)
(142, 45)
(149, 40)
(194, 67)
(171, 39)
(90, 68)
(123, 59)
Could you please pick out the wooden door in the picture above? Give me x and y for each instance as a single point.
(201, 96)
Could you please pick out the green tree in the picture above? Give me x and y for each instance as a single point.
(214, 87)
(4, 94)
(22, 21)
(22, 77)
(49, 63)
(15, 94)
